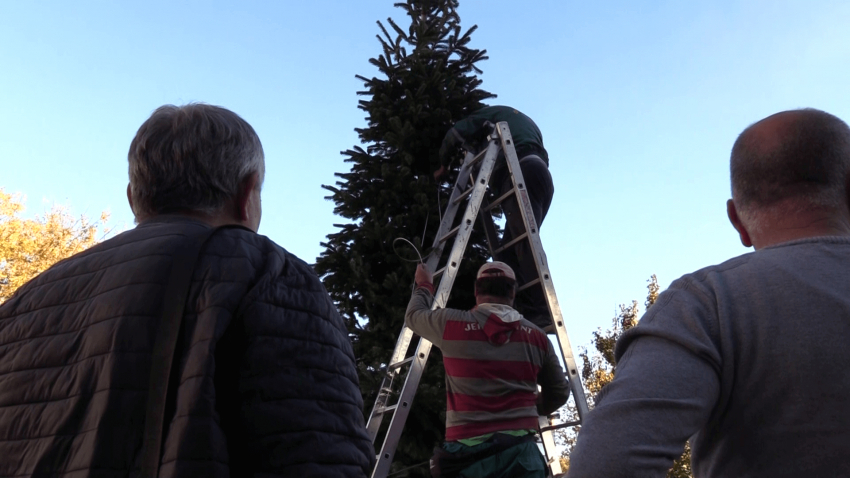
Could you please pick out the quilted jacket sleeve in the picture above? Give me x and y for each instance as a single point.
(301, 408)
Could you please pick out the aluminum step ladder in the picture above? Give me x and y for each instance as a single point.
(471, 188)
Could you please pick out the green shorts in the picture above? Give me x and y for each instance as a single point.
(522, 461)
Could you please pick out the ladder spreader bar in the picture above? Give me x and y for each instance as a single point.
(560, 425)
(510, 244)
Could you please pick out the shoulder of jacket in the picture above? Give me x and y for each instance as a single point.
(264, 255)
(703, 281)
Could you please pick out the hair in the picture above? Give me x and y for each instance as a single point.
(807, 168)
(192, 157)
(496, 287)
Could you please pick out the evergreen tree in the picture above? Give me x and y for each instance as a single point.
(427, 81)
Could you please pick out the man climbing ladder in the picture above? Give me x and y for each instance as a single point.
(412, 355)
(471, 133)
(494, 360)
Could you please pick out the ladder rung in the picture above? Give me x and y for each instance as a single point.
(510, 244)
(500, 200)
(479, 156)
(529, 284)
(450, 234)
(383, 410)
(559, 426)
(464, 195)
(397, 365)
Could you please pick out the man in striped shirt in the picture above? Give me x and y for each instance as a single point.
(494, 360)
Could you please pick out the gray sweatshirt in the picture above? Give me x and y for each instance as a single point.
(745, 357)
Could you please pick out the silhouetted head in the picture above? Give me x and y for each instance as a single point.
(196, 158)
(495, 283)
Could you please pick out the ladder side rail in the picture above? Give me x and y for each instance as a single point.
(467, 222)
(423, 350)
(405, 401)
(549, 446)
(543, 268)
(451, 211)
(373, 424)
(376, 417)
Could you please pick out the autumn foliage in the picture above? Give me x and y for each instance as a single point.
(29, 246)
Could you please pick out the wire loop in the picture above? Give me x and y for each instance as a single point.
(418, 254)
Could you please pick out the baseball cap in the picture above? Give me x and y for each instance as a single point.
(496, 269)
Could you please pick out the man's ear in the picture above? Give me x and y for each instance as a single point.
(130, 200)
(732, 212)
(245, 196)
(136, 217)
(847, 192)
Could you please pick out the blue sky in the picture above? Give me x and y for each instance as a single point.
(639, 103)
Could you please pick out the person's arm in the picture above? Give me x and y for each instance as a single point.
(665, 387)
(300, 404)
(427, 323)
(464, 131)
(451, 142)
(554, 387)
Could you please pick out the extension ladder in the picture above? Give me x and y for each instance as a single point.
(474, 196)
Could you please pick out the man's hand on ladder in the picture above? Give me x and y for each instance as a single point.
(423, 275)
(440, 172)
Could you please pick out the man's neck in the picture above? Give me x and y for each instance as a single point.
(490, 299)
(213, 220)
(793, 228)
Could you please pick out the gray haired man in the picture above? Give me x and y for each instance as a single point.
(746, 358)
(264, 381)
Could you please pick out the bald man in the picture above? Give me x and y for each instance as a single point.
(746, 358)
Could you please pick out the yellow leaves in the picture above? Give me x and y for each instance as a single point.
(565, 464)
(595, 376)
(28, 247)
(653, 289)
(598, 367)
(10, 204)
